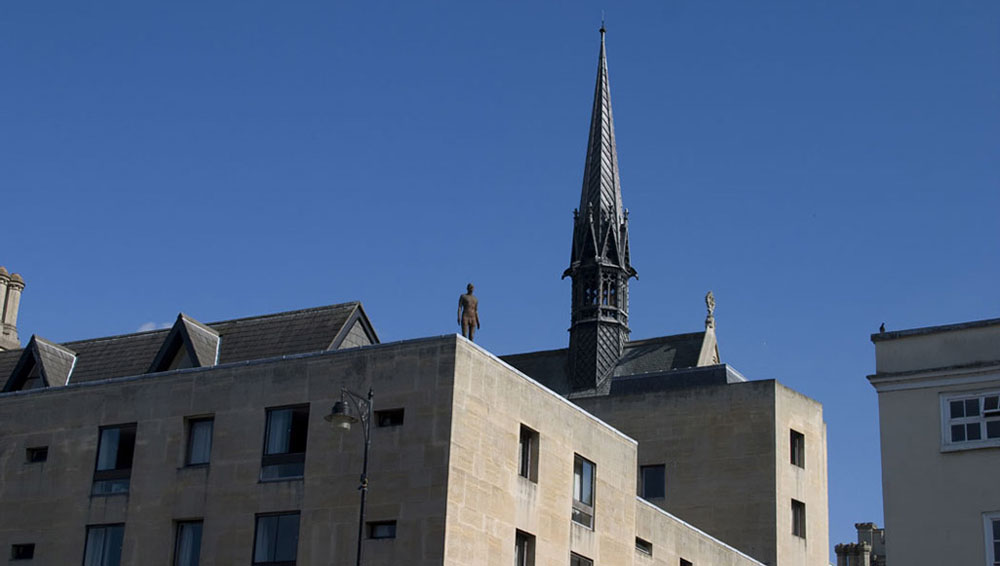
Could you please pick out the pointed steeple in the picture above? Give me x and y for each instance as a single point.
(600, 263)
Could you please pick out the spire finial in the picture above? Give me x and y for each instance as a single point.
(602, 23)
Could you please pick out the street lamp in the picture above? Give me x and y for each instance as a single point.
(342, 418)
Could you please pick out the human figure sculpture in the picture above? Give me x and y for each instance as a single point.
(468, 312)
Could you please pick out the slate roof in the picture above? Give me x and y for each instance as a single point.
(650, 356)
(243, 339)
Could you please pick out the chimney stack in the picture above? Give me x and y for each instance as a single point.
(10, 299)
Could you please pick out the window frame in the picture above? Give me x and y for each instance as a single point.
(797, 448)
(643, 484)
(799, 523)
(190, 424)
(527, 453)
(117, 476)
(276, 459)
(524, 548)
(256, 532)
(178, 527)
(643, 546)
(390, 418)
(581, 508)
(991, 522)
(371, 526)
(947, 421)
(105, 527)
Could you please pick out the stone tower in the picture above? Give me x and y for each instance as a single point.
(11, 286)
(599, 262)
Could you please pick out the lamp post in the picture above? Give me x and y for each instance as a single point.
(341, 416)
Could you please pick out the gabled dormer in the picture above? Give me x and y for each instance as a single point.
(189, 344)
(42, 364)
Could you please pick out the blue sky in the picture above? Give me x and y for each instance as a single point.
(821, 166)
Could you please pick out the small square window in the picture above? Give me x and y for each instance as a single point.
(644, 546)
(199, 441)
(389, 417)
(527, 454)
(22, 551)
(798, 446)
(653, 481)
(276, 540)
(285, 443)
(577, 560)
(524, 549)
(798, 518)
(37, 454)
(382, 529)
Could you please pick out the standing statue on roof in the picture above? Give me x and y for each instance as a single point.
(468, 312)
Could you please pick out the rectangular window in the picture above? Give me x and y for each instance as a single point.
(37, 454)
(971, 420)
(285, 443)
(22, 551)
(187, 547)
(583, 491)
(382, 529)
(644, 546)
(389, 417)
(577, 560)
(991, 523)
(276, 539)
(527, 454)
(199, 441)
(104, 545)
(686, 562)
(115, 448)
(797, 441)
(798, 518)
(524, 549)
(653, 481)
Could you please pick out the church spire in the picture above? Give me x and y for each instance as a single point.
(600, 265)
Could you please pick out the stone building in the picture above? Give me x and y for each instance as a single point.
(939, 413)
(209, 440)
(869, 550)
(11, 286)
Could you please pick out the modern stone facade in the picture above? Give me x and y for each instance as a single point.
(938, 392)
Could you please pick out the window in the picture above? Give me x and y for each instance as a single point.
(686, 562)
(104, 545)
(644, 546)
(798, 518)
(199, 441)
(37, 454)
(285, 443)
(992, 525)
(583, 491)
(971, 420)
(653, 481)
(115, 448)
(187, 547)
(524, 549)
(798, 446)
(22, 551)
(276, 540)
(382, 529)
(527, 454)
(389, 417)
(577, 560)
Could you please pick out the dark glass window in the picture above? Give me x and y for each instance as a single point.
(583, 491)
(187, 547)
(37, 454)
(527, 455)
(524, 549)
(389, 417)
(276, 540)
(686, 562)
(798, 518)
(285, 443)
(653, 481)
(577, 560)
(798, 445)
(104, 545)
(382, 529)
(644, 546)
(22, 551)
(199, 443)
(115, 449)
